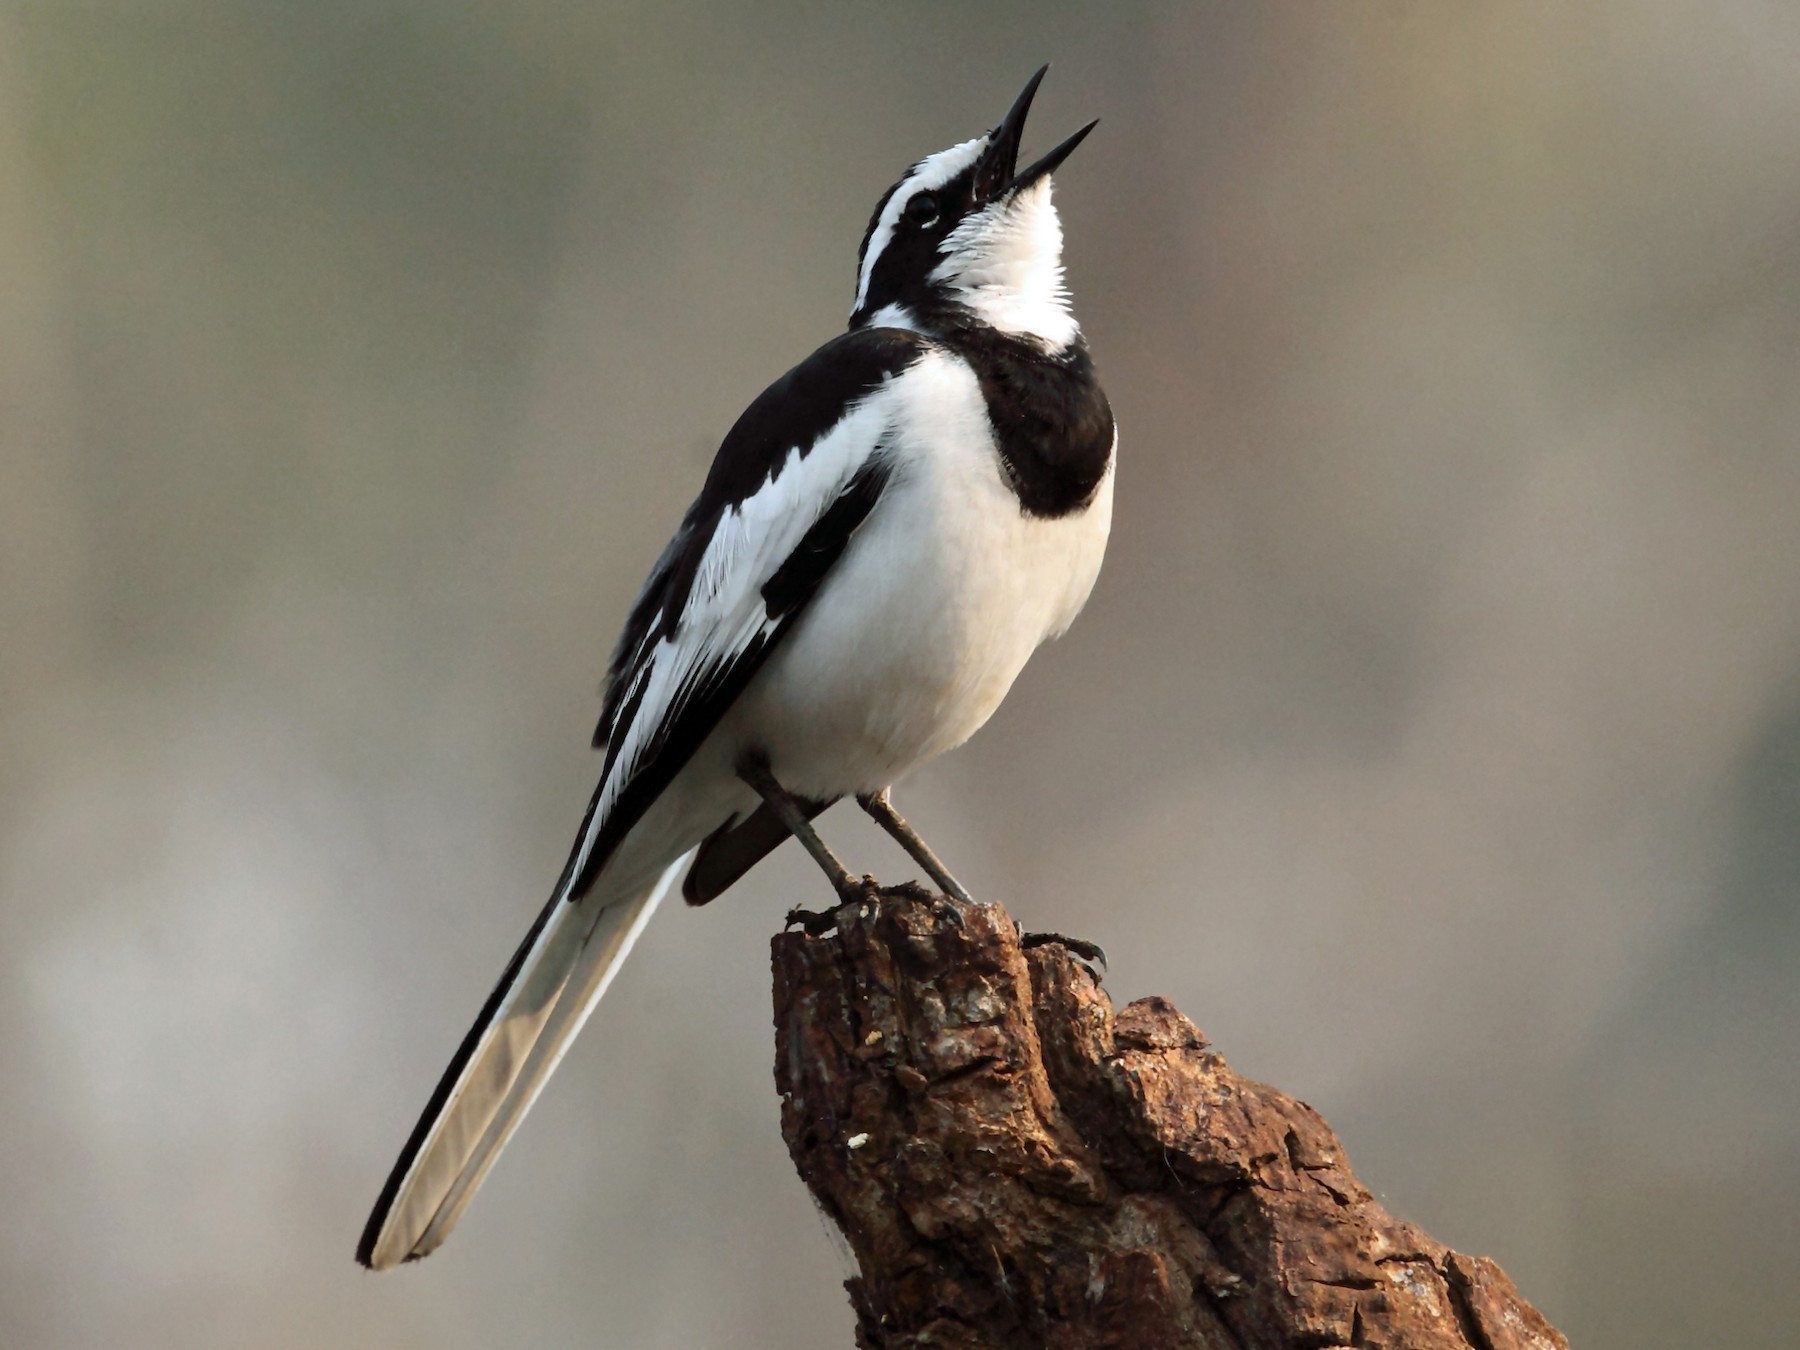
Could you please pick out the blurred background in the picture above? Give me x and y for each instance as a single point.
(1432, 738)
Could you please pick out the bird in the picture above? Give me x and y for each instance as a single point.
(884, 538)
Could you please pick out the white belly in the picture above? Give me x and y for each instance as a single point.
(932, 612)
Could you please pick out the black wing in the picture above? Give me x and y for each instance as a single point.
(792, 481)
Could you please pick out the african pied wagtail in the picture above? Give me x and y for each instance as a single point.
(885, 537)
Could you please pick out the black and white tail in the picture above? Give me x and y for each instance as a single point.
(550, 986)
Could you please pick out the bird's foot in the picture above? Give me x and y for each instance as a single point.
(1090, 952)
(944, 910)
(850, 891)
(854, 890)
(813, 922)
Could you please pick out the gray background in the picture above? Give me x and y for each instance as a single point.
(1432, 738)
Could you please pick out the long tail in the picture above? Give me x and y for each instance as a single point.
(550, 986)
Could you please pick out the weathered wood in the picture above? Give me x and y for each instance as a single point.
(1015, 1164)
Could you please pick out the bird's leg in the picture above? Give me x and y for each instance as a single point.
(753, 768)
(882, 812)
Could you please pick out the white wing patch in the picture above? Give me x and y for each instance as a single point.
(725, 612)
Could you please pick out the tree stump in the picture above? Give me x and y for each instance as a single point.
(1016, 1164)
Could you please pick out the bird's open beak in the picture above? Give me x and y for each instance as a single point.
(998, 175)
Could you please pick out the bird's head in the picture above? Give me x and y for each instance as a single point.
(967, 237)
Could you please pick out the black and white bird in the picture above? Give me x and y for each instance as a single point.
(885, 537)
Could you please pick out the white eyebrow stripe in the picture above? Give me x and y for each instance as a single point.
(931, 172)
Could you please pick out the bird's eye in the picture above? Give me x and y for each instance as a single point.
(922, 209)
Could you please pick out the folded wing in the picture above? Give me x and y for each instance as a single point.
(792, 482)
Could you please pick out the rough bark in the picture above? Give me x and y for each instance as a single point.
(1017, 1164)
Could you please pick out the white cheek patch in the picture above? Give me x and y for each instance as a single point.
(929, 175)
(1005, 264)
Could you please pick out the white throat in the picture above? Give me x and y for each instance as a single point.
(1005, 264)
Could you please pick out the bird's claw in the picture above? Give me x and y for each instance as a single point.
(1088, 951)
(945, 910)
(855, 890)
(814, 923)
